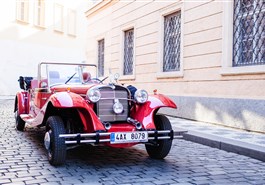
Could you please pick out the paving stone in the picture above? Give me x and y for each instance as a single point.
(36, 181)
(145, 183)
(24, 161)
(16, 183)
(159, 182)
(5, 180)
(21, 179)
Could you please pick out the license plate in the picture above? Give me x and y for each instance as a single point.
(128, 137)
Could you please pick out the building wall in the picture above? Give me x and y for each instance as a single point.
(23, 44)
(207, 88)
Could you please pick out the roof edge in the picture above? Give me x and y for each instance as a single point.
(99, 5)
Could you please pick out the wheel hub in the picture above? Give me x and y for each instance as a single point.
(47, 140)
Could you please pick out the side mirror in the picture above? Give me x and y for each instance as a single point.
(21, 82)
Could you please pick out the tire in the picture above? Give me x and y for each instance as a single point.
(56, 148)
(161, 150)
(20, 124)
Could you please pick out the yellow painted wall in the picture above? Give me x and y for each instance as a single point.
(203, 49)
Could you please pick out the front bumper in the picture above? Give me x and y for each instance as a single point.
(96, 138)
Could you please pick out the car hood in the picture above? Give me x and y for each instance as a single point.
(78, 89)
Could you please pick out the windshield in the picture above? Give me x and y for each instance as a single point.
(56, 74)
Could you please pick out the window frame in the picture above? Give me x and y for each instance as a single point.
(123, 30)
(71, 24)
(58, 26)
(253, 37)
(25, 6)
(227, 47)
(39, 13)
(127, 45)
(98, 56)
(163, 13)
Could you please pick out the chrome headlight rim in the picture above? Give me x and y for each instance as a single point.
(93, 95)
(141, 96)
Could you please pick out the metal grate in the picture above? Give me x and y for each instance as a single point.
(128, 52)
(101, 58)
(172, 36)
(105, 105)
(249, 33)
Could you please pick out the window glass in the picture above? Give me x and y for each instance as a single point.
(128, 52)
(22, 10)
(101, 58)
(172, 35)
(249, 33)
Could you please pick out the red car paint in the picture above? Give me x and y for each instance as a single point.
(33, 104)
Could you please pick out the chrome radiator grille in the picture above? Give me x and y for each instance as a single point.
(105, 105)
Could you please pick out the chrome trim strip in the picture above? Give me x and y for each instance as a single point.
(177, 135)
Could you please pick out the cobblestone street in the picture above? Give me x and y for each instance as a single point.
(23, 161)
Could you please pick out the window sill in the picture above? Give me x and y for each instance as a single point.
(22, 21)
(244, 70)
(71, 35)
(175, 74)
(41, 27)
(127, 77)
(58, 31)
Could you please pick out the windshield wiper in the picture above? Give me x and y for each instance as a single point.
(70, 78)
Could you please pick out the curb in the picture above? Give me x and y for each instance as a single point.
(229, 145)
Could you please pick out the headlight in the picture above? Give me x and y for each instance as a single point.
(141, 96)
(93, 95)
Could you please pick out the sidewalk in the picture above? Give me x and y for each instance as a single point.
(232, 140)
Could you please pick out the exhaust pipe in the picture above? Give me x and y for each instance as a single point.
(107, 125)
(136, 123)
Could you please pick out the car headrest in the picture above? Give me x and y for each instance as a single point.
(54, 74)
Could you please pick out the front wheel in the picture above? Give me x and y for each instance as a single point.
(162, 147)
(20, 124)
(56, 148)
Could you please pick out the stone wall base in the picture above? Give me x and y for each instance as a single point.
(247, 114)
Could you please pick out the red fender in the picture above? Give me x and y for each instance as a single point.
(144, 113)
(72, 100)
(22, 102)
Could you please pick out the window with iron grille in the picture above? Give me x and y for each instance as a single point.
(249, 33)
(101, 58)
(172, 35)
(128, 52)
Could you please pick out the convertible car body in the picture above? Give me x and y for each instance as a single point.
(78, 109)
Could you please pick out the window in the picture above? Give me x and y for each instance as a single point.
(249, 33)
(22, 10)
(101, 58)
(71, 22)
(172, 35)
(58, 17)
(39, 13)
(128, 52)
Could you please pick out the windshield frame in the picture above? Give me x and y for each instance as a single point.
(63, 64)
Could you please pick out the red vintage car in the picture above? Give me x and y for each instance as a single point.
(77, 109)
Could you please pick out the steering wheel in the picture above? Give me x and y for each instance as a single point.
(100, 81)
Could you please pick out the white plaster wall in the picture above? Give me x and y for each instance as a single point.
(23, 46)
(21, 59)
